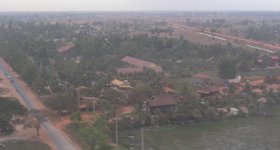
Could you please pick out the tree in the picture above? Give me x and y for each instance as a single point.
(75, 117)
(38, 119)
(29, 73)
(227, 68)
(9, 108)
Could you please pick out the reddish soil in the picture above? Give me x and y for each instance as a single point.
(43, 136)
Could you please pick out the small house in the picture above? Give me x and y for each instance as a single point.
(162, 103)
(168, 90)
(66, 48)
(201, 79)
(137, 65)
(274, 61)
(208, 91)
(117, 84)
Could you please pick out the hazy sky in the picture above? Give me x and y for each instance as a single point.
(92, 5)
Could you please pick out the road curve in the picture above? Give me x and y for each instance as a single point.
(55, 135)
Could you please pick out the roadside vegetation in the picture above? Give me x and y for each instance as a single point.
(10, 109)
(23, 145)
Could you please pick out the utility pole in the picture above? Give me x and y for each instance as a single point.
(78, 93)
(117, 130)
(93, 107)
(142, 139)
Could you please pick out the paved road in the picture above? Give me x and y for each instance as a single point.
(61, 142)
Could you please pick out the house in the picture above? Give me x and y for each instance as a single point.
(66, 48)
(257, 91)
(201, 79)
(117, 84)
(235, 80)
(168, 90)
(208, 91)
(262, 100)
(88, 103)
(273, 88)
(256, 83)
(274, 61)
(162, 103)
(138, 65)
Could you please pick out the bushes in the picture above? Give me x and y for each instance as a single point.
(61, 102)
(9, 107)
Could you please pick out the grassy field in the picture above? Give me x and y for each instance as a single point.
(24, 145)
(268, 72)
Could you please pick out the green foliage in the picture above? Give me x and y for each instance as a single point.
(61, 102)
(76, 117)
(227, 68)
(92, 135)
(140, 93)
(9, 107)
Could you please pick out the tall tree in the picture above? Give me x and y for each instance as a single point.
(227, 68)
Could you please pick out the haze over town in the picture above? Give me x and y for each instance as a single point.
(137, 5)
(139, 74)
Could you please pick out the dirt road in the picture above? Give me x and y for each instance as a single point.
(56, 136)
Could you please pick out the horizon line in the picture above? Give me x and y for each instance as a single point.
(45, 11)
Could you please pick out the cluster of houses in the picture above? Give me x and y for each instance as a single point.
(167, 100)
(267, 61)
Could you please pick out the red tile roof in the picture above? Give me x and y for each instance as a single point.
(256, 82)
(274, 57)
(257, 91)
(201, 76)
(162, 100)
(65, 48)
(141, 63)
(208, 90)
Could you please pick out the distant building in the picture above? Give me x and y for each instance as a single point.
(201, 79)
(121, 84)
(168, 90)
(138, 65)
(66, 48)
(274, 61)
(257, 91)
(162, 103)
(208, 91)
(235, 80)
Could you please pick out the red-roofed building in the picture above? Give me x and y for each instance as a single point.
(162, 103)
(140, 64)
(208, 91)
(200, 79)
(65, 48)
(274, 60)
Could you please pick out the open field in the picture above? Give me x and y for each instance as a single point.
(253, 133)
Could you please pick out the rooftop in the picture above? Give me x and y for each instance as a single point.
(162, 100)
(65, 48)
(141, 63)
(201, 76)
